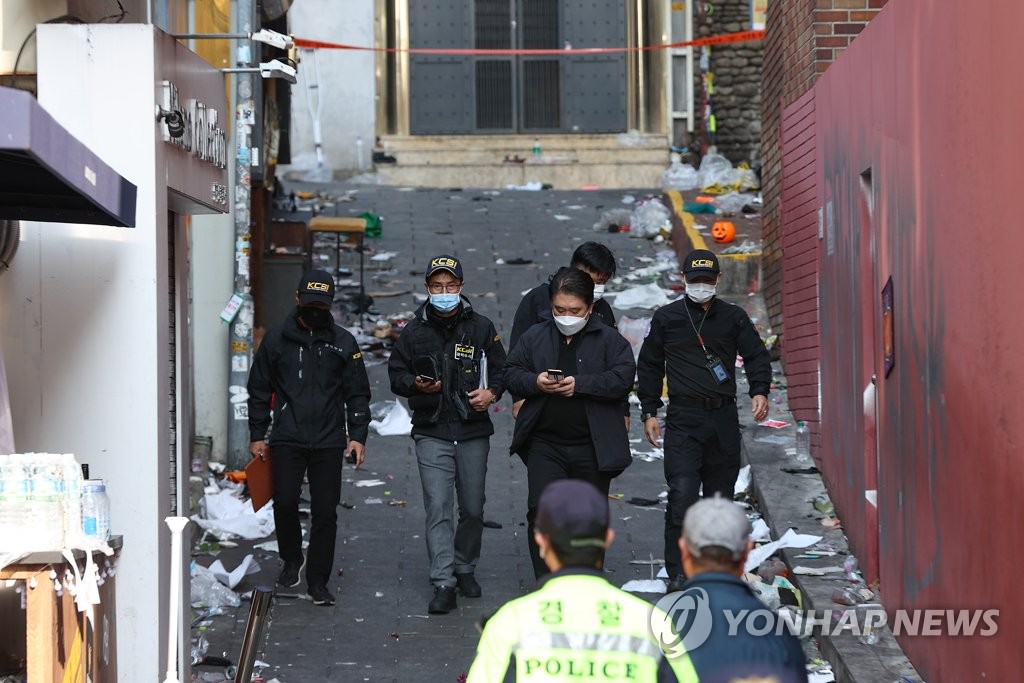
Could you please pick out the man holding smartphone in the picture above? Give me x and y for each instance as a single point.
(696, 340)
(448, 363)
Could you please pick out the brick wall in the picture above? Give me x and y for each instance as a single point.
(803, 38)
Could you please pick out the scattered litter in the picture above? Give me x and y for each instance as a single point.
(208, 592)
(247, 566)
(648, 296)
(518, 261)
(816, 571)
(790, 539)
(699, 208)
(628, 199)
(679, 176)
(384, 256)
(649, 219)
(716, 174)
(269, 546)
(823, 505)
(228, 515)
(397, 422)
(364, 483)
(644, 586)
(562, 217)
(747, 247)
(648, 456)
(534, 186)
(378, 594)
(396, 503)
(761, 531)
(374, 501)
(742, 480)
(774, 424)
(643, 502)
(613, 220)
(732, 202)
(492, 525)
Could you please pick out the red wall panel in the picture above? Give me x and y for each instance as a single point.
(927, 100)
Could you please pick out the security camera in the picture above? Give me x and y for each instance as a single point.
(278, 69)
(174, 121)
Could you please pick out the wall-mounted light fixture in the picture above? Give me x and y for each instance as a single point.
(265, 36)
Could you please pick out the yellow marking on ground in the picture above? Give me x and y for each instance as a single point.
(696, 240)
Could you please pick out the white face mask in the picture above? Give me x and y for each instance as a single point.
(569, 324)
(700, 292)
(598, 291)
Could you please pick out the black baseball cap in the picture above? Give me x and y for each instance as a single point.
(573, 513)
(700, 263)
(444, 262)
(316, 286)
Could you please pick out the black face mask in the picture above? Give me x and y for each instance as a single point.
(315, 318)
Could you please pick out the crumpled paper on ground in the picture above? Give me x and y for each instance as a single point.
(643, 296)
(644, 586)
(231, 579)
(398, 422)
(790, 539)
(228, 515)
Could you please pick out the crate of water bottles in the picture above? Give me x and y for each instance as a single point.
(46, 504)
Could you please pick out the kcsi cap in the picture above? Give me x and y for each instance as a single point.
(444, 262)
(716, 522)
(700, 263)
(316, 286)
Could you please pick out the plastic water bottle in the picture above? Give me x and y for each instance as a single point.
(13, 497)
(46, 501)
(72, 473)
(803, 444)
(95, 511)
(536, 148)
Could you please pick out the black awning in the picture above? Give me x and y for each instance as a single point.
(46, 174)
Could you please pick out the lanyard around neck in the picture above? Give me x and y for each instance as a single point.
(696, 328)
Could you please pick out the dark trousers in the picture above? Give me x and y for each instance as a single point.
(702, 447)
(547, 462)
(289, 464)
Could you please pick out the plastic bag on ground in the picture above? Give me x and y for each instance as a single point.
(398, 422)
(613, 218)
(680, 176)
(228, 515)
(649, 219)
(644, 296)
(716, 174)
(634, 330)
(732, 202)
(207, 591)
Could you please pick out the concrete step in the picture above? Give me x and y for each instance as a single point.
(566, 161)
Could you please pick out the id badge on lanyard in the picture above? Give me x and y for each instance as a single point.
(716, 368)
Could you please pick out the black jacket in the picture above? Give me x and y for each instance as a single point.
(457, 351)
(605, 372)
(536, 308)
(671, 345)
(317, 381)
(735, 653)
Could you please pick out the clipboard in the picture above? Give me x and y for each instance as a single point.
(261, 483)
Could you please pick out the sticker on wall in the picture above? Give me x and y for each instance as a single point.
(239, 347)
(231, 309)
(239, 363)
(239, 394)
(241, 411)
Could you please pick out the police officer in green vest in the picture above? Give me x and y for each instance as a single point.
(575, 626)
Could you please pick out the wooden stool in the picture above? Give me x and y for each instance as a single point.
(342, 226)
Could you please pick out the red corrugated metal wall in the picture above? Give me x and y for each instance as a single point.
(799, 206)
(919, 140)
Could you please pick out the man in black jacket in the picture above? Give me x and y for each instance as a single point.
(307, 382)
(696, 340)
(448, 363)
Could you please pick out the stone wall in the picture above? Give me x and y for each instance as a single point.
(736, 101)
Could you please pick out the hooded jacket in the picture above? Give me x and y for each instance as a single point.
(605, 374)
(456, 345)
(318, 384)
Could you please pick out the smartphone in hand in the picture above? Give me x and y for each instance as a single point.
(555, 375)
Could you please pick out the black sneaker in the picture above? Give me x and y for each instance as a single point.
(468, 586)
(444, 600)
(289, 576)
(676, 584)
(321, 595)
